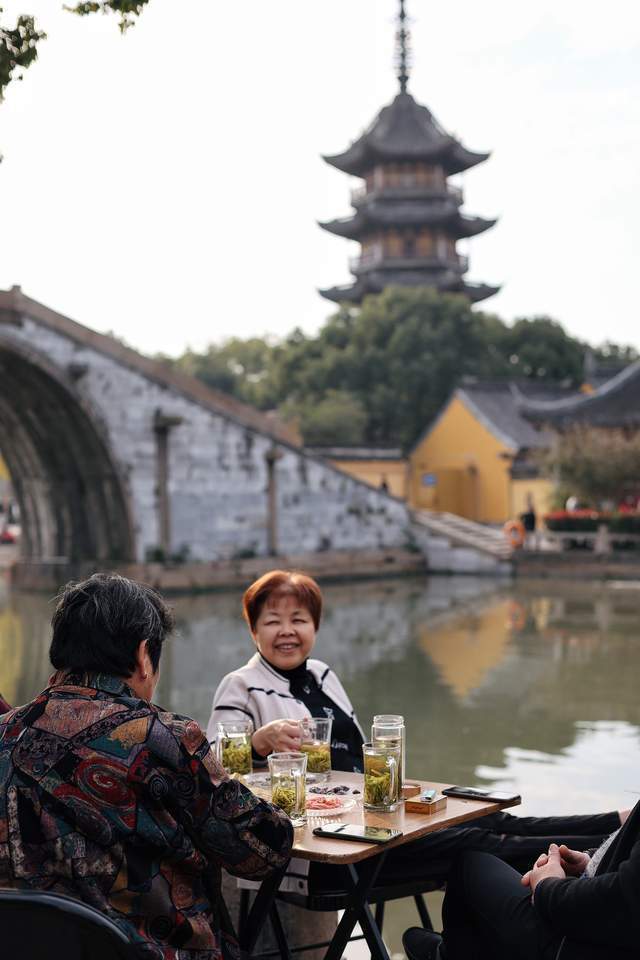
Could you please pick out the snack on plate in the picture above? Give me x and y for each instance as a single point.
(324, 803)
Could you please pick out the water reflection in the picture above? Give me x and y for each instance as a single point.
(533, 686)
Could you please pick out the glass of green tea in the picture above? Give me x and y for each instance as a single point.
(233, 745)
(288, 788)
(388, 730)
(381, 777)
(316, 743)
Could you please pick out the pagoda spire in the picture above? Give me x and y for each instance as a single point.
(403, 51)
(407, 216)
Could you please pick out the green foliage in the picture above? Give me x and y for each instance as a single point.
(380, 373)
(18, 49)
(399, 355)
(126, 9)
(538, 349)
(242, 368)
(338, 419)
(598, 466)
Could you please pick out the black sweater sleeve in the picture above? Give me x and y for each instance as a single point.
(604, 909)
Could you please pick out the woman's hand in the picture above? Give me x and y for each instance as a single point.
(574, 862)
(277, 737)
(547, 865)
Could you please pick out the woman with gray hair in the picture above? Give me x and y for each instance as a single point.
(112, 800)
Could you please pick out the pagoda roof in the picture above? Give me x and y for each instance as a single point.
(405, 130)
(381, 213)
(614, 404)
(375, 281)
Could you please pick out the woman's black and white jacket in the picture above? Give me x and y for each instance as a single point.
(258, 692)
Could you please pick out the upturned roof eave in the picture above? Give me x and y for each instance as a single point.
(480, 291)
(473, 226)
(353, 227)
(361, 156)
(570, 407)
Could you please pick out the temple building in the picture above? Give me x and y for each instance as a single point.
(407, 216)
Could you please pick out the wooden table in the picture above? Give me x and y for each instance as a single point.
(370, 856)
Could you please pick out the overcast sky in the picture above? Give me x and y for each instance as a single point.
(165, 185)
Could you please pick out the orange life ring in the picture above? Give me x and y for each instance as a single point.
(514, 532)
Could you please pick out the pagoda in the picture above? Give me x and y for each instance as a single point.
(407, 216)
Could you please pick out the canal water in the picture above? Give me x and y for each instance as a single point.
(526, 686)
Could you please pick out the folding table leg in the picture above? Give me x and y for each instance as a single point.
(358, 910)
(423, 910)
(278, 930)
(260, 910)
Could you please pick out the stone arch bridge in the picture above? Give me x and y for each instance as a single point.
(117, 459)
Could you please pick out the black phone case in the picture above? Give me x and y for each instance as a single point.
(465, 794)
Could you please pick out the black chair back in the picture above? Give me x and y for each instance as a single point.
(36, 925)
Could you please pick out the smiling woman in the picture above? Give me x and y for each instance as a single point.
(281, 685)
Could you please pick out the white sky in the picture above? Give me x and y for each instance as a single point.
(166, 185)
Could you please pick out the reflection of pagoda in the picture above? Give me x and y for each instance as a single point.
(407, 216)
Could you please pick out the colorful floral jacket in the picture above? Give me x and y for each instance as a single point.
(109, 799)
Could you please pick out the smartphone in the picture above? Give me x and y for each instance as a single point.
(356, 831)
(482, 793)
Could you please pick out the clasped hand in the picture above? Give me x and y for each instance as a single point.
(559, 862)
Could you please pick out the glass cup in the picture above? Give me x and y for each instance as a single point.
(288, 789)
(381, 777)
(233, 745)
(388, 729)
(316, 743)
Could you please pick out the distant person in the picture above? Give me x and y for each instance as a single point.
(384, 486)
(110, 799)
(283, 684)
(529, 521)
(572, 504)
(571, 905)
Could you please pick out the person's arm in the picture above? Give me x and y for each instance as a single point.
(606, 907)
(232, 701)
(247, 836)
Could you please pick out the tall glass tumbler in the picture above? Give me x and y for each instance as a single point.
(233, 745)
(288, 787)
(316, 743)
(388, 729)
(381, 777)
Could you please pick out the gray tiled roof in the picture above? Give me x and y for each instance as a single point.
(615, 404)
(501, 406)
(405, 130)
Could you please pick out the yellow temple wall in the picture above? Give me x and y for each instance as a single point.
(461, 467)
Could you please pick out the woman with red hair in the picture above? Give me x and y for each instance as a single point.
(282, 684)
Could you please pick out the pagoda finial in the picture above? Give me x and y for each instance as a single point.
(403, 51)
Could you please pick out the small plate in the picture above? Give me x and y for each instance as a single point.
(347, 803)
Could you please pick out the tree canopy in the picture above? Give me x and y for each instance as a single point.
(18, 49)
(378, 374)
(19, 43)
(597, 466)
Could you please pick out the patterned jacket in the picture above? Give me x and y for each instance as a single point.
(109, 799)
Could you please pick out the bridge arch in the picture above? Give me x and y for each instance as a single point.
(72, 499)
